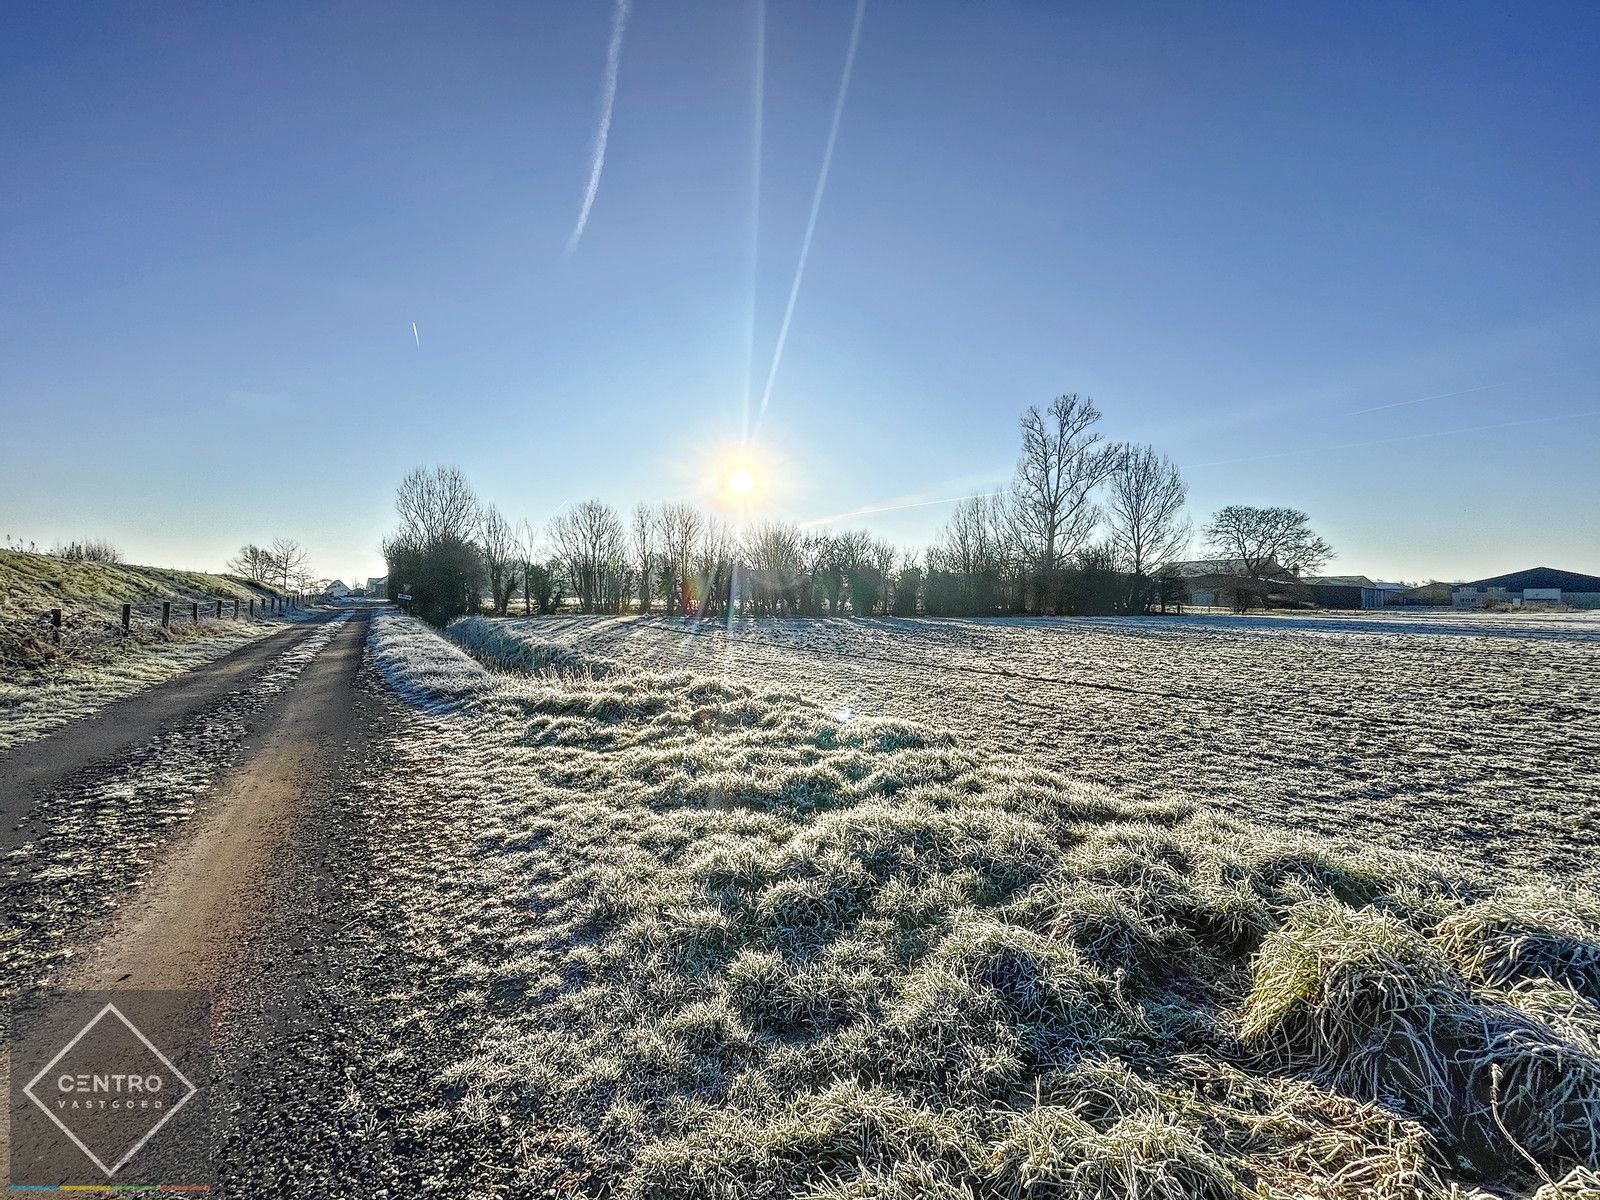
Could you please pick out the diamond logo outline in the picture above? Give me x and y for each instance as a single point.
(154, 1129)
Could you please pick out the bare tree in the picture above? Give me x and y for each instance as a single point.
(434, 553)
(1145, 506)
(713, 567)
(527, 560)
(772, 554)
(1267, 539)
(591, 547)
(680, 526)
(646, 555)
(967, 566)
(502, 556)
(436, 506)
(289, 563)
(1062, 463)
(253, 563)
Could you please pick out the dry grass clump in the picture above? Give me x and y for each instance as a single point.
(1380, 1010)
(735, 946)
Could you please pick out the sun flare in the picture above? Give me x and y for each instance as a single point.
(741, 481)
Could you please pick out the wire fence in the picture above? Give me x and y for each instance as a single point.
(35, 639)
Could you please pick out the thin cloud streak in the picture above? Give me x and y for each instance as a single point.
(816, 207)
(619, 22)
(1441, 396)
(1408, 437)
(416, 335)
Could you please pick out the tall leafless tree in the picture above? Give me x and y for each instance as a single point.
(1063, 461)
(773, 561)
(502, 556)
(646, 555)
(253, 563)
(680, 527)
(591, 546)
(289, 563)
(436, 505)
(1145, 499)
(973, 556)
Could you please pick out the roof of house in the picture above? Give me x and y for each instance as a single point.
(1339, 581)
(1217, 566)
(1539, 577)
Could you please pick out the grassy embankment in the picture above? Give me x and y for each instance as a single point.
(44, 683)
(686, 938)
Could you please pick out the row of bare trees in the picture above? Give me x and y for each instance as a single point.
(1085, 526)
(284, 565)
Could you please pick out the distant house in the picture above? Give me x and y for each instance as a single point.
(336, 590)
(1425, 594)
(1533, 587)
(1227, 583)
(1344, 591)
(378, 585)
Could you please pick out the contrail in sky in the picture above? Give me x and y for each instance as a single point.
(1441, 396)
(816, 206)
(416, 335)
(619, 21)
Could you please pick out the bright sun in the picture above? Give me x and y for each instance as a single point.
(740, 481)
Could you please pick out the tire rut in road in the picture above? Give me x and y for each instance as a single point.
(106, 828)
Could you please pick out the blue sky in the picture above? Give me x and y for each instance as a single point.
(1237, 227)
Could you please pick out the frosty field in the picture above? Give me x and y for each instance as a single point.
(589, 930)
(1477, 735)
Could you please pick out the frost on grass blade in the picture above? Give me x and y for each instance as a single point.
(711, 941)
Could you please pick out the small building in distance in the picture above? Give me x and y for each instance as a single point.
(335, 589)
(1344, 591)
(377, 586)
(1423, 595)
(1533, 587)
(1226, 583)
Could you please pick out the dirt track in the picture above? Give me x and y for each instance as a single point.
(34, 768)
(272, 733)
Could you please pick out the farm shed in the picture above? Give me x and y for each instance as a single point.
(1538, 585)
(1227, 583)
(1344, 591)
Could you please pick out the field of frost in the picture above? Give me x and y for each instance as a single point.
(36, 701)
(1476, 735)
(626, 933)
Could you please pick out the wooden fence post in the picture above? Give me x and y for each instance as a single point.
(166, 614)
(235, 609)
(127, 615)
(55, 626)
(219, 608)
(194, 613)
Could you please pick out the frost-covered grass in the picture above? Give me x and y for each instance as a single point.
(1474, 734)
(44, 685)
(30, 583)
(34, 702)
(667, 935)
